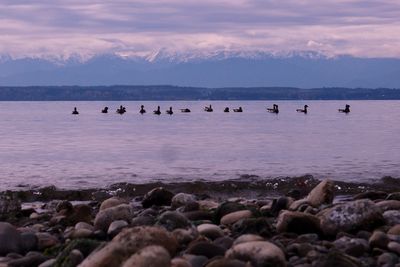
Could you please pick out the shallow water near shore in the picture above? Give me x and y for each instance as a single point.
(43, 144)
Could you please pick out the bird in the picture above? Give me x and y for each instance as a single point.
(104, 110)
(169, 111)
(274, 109)
(303, 110)
(226, 109)
(345, 110)
(208, 109)
(185, 110)
(75, 111)
(142, 110)
(121, 110)
(238, 109)
(157, 112)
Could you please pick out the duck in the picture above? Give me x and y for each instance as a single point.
(345, 110)
(274, 109)
(75, 111)
(185, 110)
(238, 109)
(142, 110)
(208, 109)
(157, 112)
(104, 110)
(169, 111)
(226, 109)
(121, 110)
(303, 110)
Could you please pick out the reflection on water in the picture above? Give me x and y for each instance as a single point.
(42, 143)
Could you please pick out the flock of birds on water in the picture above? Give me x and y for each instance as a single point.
(275, 109)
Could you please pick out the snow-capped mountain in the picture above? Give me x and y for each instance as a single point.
(198, 68)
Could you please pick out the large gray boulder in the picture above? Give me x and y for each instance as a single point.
(350, 216)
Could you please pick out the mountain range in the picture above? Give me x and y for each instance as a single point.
(219, 69)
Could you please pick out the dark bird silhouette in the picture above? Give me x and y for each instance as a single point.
(226, 109)
(274, 109)
(345, 110)
(238, 109)
(121, 110)
(303, 110)
(169, 111)
(185, 110)
(75, 111)
(208, 109)
(142, 110)
(104, 110)
(157, 112)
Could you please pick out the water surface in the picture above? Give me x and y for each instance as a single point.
(42, 143)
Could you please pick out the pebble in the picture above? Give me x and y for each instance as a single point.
(259, 253)
(379, 239)
(233, 217)
(157, 197)
(151, 256)
(105, 217)
(211, 231)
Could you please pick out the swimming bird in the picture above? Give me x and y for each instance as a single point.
(75, 111)
(169, 111)
(345, 110)
(185, 110)
(104, 110)
(303, 110)
(274, 109)
(157, 112)
(238, 109)
(226, 109)
(121, 110)
(142, 110)
(208, 109)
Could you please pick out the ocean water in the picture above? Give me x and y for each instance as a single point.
(42, 144)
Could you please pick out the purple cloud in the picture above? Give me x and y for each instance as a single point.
(61, 28)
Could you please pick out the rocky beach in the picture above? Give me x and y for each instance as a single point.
(298, 222)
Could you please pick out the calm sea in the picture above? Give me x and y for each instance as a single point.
(43, 144)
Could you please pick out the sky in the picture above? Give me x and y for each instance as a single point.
(64, 28)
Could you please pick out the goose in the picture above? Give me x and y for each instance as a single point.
(238, 109)
(185, 110)
(104, 110)
(274, 109)
(121, 110)
(157, 112)
(75, 111)
(169, 111)
(142, 110)
(303, 110)
(208, 109)
(226, 109)
(345, 110)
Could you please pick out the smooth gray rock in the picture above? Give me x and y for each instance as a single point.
(10, 239)
(350, 216)
(105, 217)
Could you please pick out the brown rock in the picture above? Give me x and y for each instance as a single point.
(233, 217)
(128, 242)
(259, 253)
(298, 222)
(151, 256)
(111, 202)
(323, 193)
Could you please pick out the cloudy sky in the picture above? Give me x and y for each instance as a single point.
(364, 28)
